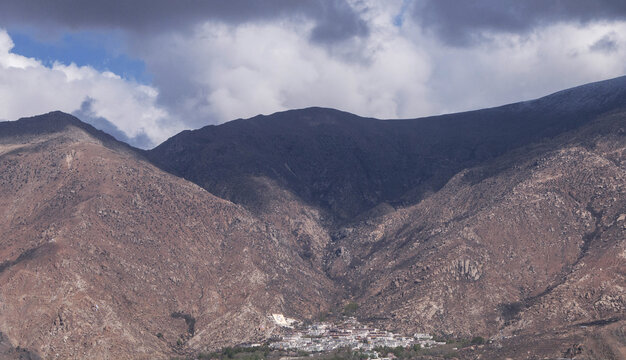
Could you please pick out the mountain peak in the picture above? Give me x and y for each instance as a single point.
(51, 123)
(310, 116)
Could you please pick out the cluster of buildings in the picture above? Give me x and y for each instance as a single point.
(349, 334)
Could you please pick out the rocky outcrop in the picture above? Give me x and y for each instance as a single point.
(466, 269)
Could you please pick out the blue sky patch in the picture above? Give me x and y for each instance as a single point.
(100, 50)
(398, 20)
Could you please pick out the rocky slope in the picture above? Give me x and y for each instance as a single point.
(524, 245)
(105, 256)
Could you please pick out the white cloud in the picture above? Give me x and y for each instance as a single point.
(27, 87)
(8, 60)
(508, 68)
(222, 72)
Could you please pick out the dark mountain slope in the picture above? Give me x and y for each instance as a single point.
(346, 164)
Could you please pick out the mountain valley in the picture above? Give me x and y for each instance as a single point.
(507, 223)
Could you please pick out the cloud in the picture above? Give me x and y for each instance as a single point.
(608, 43)
(335, 19)
(27, 87)
(465, 22)
(509, 68)
(87, 114)
(221, 72)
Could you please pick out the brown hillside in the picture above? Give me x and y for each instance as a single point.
(530, 244)
(105, 256)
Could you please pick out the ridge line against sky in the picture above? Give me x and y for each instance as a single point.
(145, 70)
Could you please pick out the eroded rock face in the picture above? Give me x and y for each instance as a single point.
(461, 224)
(466, 269)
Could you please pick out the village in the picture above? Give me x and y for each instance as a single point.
(350, 333)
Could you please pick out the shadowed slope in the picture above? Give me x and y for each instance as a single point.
(346, 164)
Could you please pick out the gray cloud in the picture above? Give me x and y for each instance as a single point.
(607, 44)
(86, 114)
(335, 19)
(334, 24)
(464, 22)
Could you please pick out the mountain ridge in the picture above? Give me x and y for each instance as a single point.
(420, 155)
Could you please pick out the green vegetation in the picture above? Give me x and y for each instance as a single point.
(264, 352)
(341, 354)
(399, 351)
(416, 351)
(240, 353)
(350, 308)
(323, 316)
(460, 342)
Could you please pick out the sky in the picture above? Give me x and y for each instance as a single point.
(144, 70)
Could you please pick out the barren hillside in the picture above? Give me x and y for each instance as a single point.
(106, 256)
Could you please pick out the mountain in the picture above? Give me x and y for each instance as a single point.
(507, 223)
(528, 245)
(105, 256)
(347, 165)
(499, 222)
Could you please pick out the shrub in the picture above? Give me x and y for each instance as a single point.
(398, 351)
(350, 308)
(229, 352)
